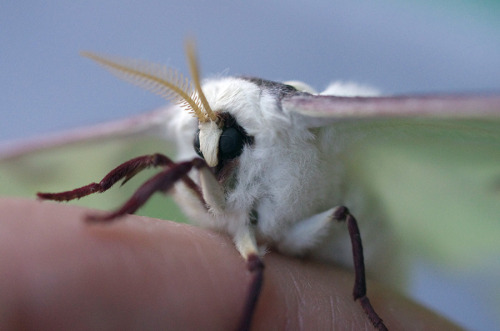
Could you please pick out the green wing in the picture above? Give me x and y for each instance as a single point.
(438, 180)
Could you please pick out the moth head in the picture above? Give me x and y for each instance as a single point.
(220, 143)
(213, 141)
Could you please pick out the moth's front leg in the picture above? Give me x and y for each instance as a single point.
(247, 246)
(244, 239)
(307, 233)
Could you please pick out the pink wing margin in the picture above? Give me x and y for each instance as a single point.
(431, 106)
(152, 123)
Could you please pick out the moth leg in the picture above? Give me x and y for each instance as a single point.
(341, 214)
(244, 240)
(161, 182)
(247, 246)
(125, 171)
(306, 234)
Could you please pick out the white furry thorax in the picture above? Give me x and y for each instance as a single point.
(280, 178)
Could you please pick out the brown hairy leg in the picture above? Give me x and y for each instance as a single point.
(359, 292)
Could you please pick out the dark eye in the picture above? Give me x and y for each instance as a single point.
(196, 144)
(230, 144)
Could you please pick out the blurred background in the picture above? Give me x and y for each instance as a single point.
(397, 46)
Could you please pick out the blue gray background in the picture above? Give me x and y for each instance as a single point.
(397, 46)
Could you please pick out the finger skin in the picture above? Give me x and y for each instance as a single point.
(58, 272)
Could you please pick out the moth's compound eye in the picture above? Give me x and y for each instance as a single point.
(230, 144)
(196, 144)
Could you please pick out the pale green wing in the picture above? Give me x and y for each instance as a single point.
(438, 180)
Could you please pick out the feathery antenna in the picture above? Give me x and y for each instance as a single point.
(161, 80)
(195, 76)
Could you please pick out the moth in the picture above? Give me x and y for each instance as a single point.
(274, 165)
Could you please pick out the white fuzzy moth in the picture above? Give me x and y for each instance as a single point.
(265, 162)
